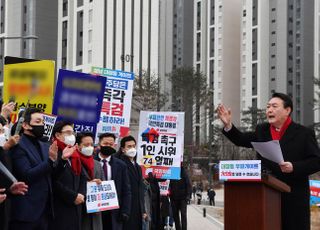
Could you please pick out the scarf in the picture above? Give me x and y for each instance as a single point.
(88, 164)
(277, 135)
(74, 159)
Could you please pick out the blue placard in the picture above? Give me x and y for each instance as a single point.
(78, 97)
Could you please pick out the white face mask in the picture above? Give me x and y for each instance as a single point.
(3, 139)
(70, 140)
(87, 151)
(131, 152)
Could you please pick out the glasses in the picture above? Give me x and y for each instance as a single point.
(68, 132)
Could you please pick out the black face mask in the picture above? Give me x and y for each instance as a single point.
(37, 130)
(107, 150)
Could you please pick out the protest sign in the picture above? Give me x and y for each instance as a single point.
(160, 143)
(49, 121)
(314, 192)
(116, 107)
(78, 98)
(101, 197)
(27, 80)
(164, 187)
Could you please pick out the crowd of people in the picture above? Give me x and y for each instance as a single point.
(52, 175)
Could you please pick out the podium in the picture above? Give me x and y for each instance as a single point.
(253, 204)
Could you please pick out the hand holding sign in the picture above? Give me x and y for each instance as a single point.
(19, 188)
(11, 142)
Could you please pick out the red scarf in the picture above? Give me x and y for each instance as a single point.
(74, 159)
(88, 163)
(277, 135)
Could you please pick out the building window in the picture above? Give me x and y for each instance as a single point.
(90, 36)
(198, 15)
(65, 24)
(90, 56)
(90, 16)
(64, 43)
(273, 20)
(65, 8)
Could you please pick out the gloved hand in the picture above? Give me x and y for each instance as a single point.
(123, 217)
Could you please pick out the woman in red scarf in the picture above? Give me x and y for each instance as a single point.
(69, 186)
(93, 172)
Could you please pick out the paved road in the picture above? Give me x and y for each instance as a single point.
(197, 221)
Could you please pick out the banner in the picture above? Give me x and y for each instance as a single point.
(314, 192)
(27, 79)
(49, 122)
(116, 107)
(164, 188)
(78, 98)
(240, 170)
(160, 143)
(101, 197)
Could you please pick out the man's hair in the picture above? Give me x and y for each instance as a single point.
(29, 112)
(287, 102)
(126, 139)
(59, 126)
(82, 135)
(104, 135)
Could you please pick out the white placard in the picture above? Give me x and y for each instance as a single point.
(160, 143)
(240, 170)
(49, 122)
(164, 187)
(101, 197)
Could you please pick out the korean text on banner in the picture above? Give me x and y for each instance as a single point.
(101, 197)
(160, 143)
(240, 170)
(116, 107)
(78, 98)
(49, 122)
(164, 187)
(27, 79)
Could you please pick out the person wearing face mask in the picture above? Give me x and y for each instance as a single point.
(138, 213)
(69, 186)
(116, 170)
(93, 172)
(33, 162)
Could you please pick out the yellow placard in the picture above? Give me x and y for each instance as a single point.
(31, 81)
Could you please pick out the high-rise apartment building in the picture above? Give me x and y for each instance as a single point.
(217, 55)
(28, 29)
(116, 34)
(277, 39)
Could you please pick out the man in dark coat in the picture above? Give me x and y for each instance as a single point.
(7, 187)
(180, 193)
(138, 213)
(300, 152)
(69, 186)
(116, 170)
(33, 161)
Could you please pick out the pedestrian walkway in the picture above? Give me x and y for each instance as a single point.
(197, 221)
